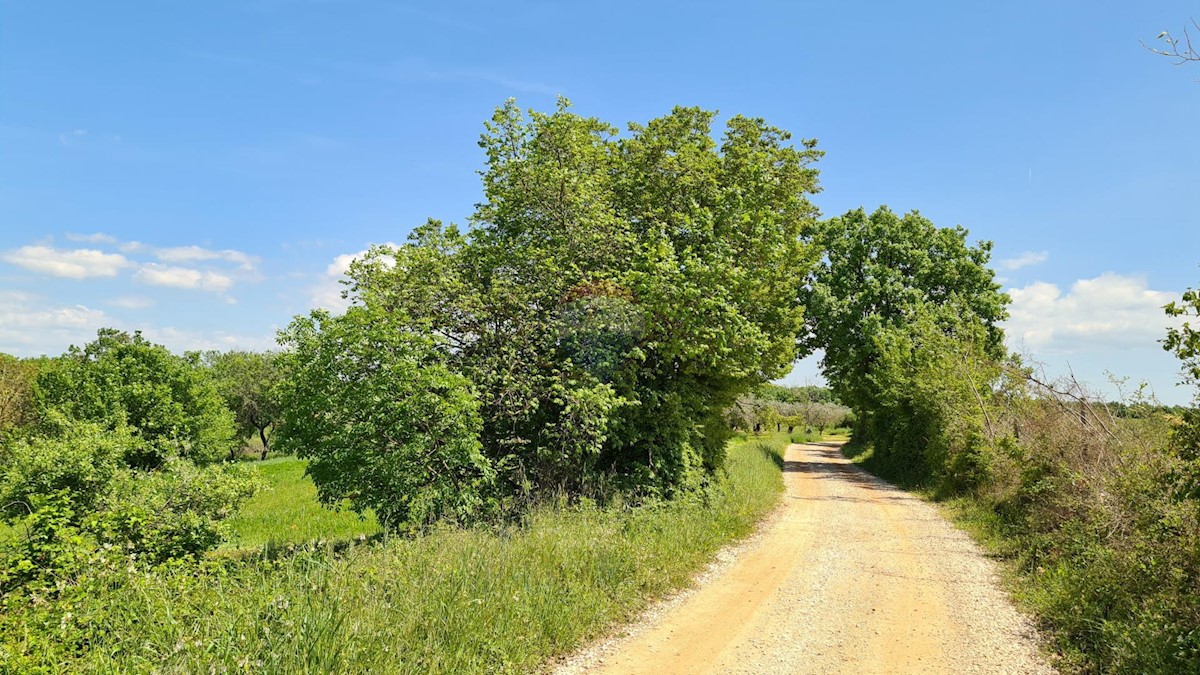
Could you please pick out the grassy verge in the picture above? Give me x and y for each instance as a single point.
(452, 601)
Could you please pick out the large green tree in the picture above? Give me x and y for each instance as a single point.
(169, 403)
(907, 315)
(613, 294)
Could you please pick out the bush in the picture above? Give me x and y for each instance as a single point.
(383, 422)
(168, 404)
(67, 495)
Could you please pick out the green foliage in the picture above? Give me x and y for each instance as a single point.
(454, 600)
(112, 462)
(168, 404)
(383, 421)
(69, 494)
(250, 384)
(613, 295)
(16, 391)
(907, 315)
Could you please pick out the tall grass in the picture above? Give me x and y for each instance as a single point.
(481, 600)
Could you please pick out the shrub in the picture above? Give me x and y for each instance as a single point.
(168, 403)
(383, 421)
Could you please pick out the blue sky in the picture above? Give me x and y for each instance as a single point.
(202, 170)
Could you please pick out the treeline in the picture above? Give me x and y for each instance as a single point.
(1097, 504)
(120, 445)
(773, 407)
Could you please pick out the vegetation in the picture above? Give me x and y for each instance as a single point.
(1100, 513)
(384, 423)
(611, 299)
(287, 512)
(117, 453)
(519, 433)
(250, 383)
(452, 600)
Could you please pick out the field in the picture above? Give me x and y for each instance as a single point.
(287, 512)
(451, 601)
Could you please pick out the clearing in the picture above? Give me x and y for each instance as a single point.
(850, 574)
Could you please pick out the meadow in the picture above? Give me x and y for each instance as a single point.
(306, 594)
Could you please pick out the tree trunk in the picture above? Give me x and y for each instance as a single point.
(262, 434)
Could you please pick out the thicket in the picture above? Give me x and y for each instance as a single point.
(611, 298)
(115, 450)
(1099, 511)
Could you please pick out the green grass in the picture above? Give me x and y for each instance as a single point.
(453, 601)
(287, 512)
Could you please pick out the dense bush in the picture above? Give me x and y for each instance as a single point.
(611, 299)
(383, 421)
(116, 454)
(169, 404)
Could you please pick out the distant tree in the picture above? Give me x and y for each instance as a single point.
(16, 389)
(878, 271)
(169, 403)
(250, 384)
(908, 317)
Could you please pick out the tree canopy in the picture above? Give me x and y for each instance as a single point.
(119, 380)
(613, 294)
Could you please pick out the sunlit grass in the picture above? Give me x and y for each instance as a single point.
(288, 512)
(452, 601)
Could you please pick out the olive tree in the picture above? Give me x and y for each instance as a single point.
(250, 382)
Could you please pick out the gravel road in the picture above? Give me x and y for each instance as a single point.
(850, 575)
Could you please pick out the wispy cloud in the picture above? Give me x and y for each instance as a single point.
(183, 277)
(131, 302)
(31, 326)
(197, 253)
(72, 264)
(1025, 259)
(97, 238)
(419, 70)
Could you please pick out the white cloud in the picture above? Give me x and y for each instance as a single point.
(196, 253)
(182, 340)
(73, 264)
(1023, 260)
(183, 277)
(327, 293)
(131, 302)
(29, 326)
(96, 238)
(1111, 311)
(131, 246)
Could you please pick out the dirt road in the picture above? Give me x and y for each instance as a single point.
(850, 575)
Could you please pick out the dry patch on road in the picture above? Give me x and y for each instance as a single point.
(850, 575)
